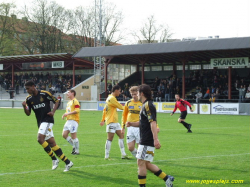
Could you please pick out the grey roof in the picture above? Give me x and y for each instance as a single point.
(165, 48)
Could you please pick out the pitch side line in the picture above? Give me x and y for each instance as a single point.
(104, 165)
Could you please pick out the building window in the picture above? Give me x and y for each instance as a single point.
(156, 68)
(179, 67)
(168, 68)
(194, 67)
(207, 66)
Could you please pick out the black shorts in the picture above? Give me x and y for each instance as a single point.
(183, 115)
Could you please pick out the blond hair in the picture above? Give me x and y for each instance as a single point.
(133, 89)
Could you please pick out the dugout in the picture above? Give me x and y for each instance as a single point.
(226, 53)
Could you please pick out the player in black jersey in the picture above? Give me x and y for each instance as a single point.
(39, 102)
(149, 138)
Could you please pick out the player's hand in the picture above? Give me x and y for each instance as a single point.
(64, 115)
(171, 114)
(158, 130)
(191, 110)
(157, 144)
(102, 123)
(128, 124)
(24, 104)
(123, 131)
(50, 114)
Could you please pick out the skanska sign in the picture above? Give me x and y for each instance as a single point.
(237, 61)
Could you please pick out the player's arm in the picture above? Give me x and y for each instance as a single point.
(133, 124)
(158, 128)
(114, 103)
(175, 108)
(52, 98)
(154, 130)
(187, 103)
(26, 108)
(124, 116)
(103, 116)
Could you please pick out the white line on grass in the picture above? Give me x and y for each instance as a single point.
(127, 163)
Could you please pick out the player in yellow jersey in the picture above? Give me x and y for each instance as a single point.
(131, 113)
(110, 116)
(73, 115)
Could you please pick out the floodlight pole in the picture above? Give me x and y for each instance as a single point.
(183, 79)
(12, 77)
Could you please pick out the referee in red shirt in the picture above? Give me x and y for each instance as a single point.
(181, 104)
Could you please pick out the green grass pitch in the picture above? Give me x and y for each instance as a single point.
(218, 149)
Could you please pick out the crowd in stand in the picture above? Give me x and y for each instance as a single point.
(210, 86)
(53, 83)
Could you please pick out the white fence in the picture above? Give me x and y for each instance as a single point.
(163, 107)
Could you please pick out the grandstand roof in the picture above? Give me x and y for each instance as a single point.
(67, 58)
(197, 50)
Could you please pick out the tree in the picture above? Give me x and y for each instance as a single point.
(151, 32)
(43, 26)
(7, 43)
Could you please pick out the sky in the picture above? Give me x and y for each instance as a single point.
(186, 18)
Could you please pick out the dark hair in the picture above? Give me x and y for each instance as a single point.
(146, 90)
(116, 87)
(178, 95)
(73, 91)
(30, 83)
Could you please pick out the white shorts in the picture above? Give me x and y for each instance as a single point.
(133, 133)
(145, 152)
(46, 129)
(113, 127)
(71, 126)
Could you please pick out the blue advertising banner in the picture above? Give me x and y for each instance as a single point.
(101, 105)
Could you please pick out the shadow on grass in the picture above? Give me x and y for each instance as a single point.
(116, 181)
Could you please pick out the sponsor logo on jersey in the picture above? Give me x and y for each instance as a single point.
(39, 106)
(41, 99)
(131, 107)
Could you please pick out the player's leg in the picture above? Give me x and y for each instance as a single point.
(131, 148)
(142, 172)
(109, 140)
(43, 130)
(65, 134)
(58, 151)
(185, 124)
(73, 132)
(121, 141)
(76, 143)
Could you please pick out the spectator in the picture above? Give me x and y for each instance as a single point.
(207, 94)
(247, 97)
(198, 96)
(213, 90)
(248, 88)
(126, 90)
(160, 88)
(167, 93)
(241, 93)
(216, 96)
(158, 96)
(152, 92)
(225, 92)
(212, 98)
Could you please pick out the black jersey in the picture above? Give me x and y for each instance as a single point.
(40, 104)
(147, 115)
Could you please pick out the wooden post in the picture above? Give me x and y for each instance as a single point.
(183, 79)
(229, 82)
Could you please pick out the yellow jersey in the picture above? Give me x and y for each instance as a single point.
(110, 114)
(131, 112)
(73, 105)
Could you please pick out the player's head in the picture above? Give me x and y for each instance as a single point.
(30, 87)
(71, 94)
(177, 97)
(116, 90)
(134, 92)
(144, 92)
